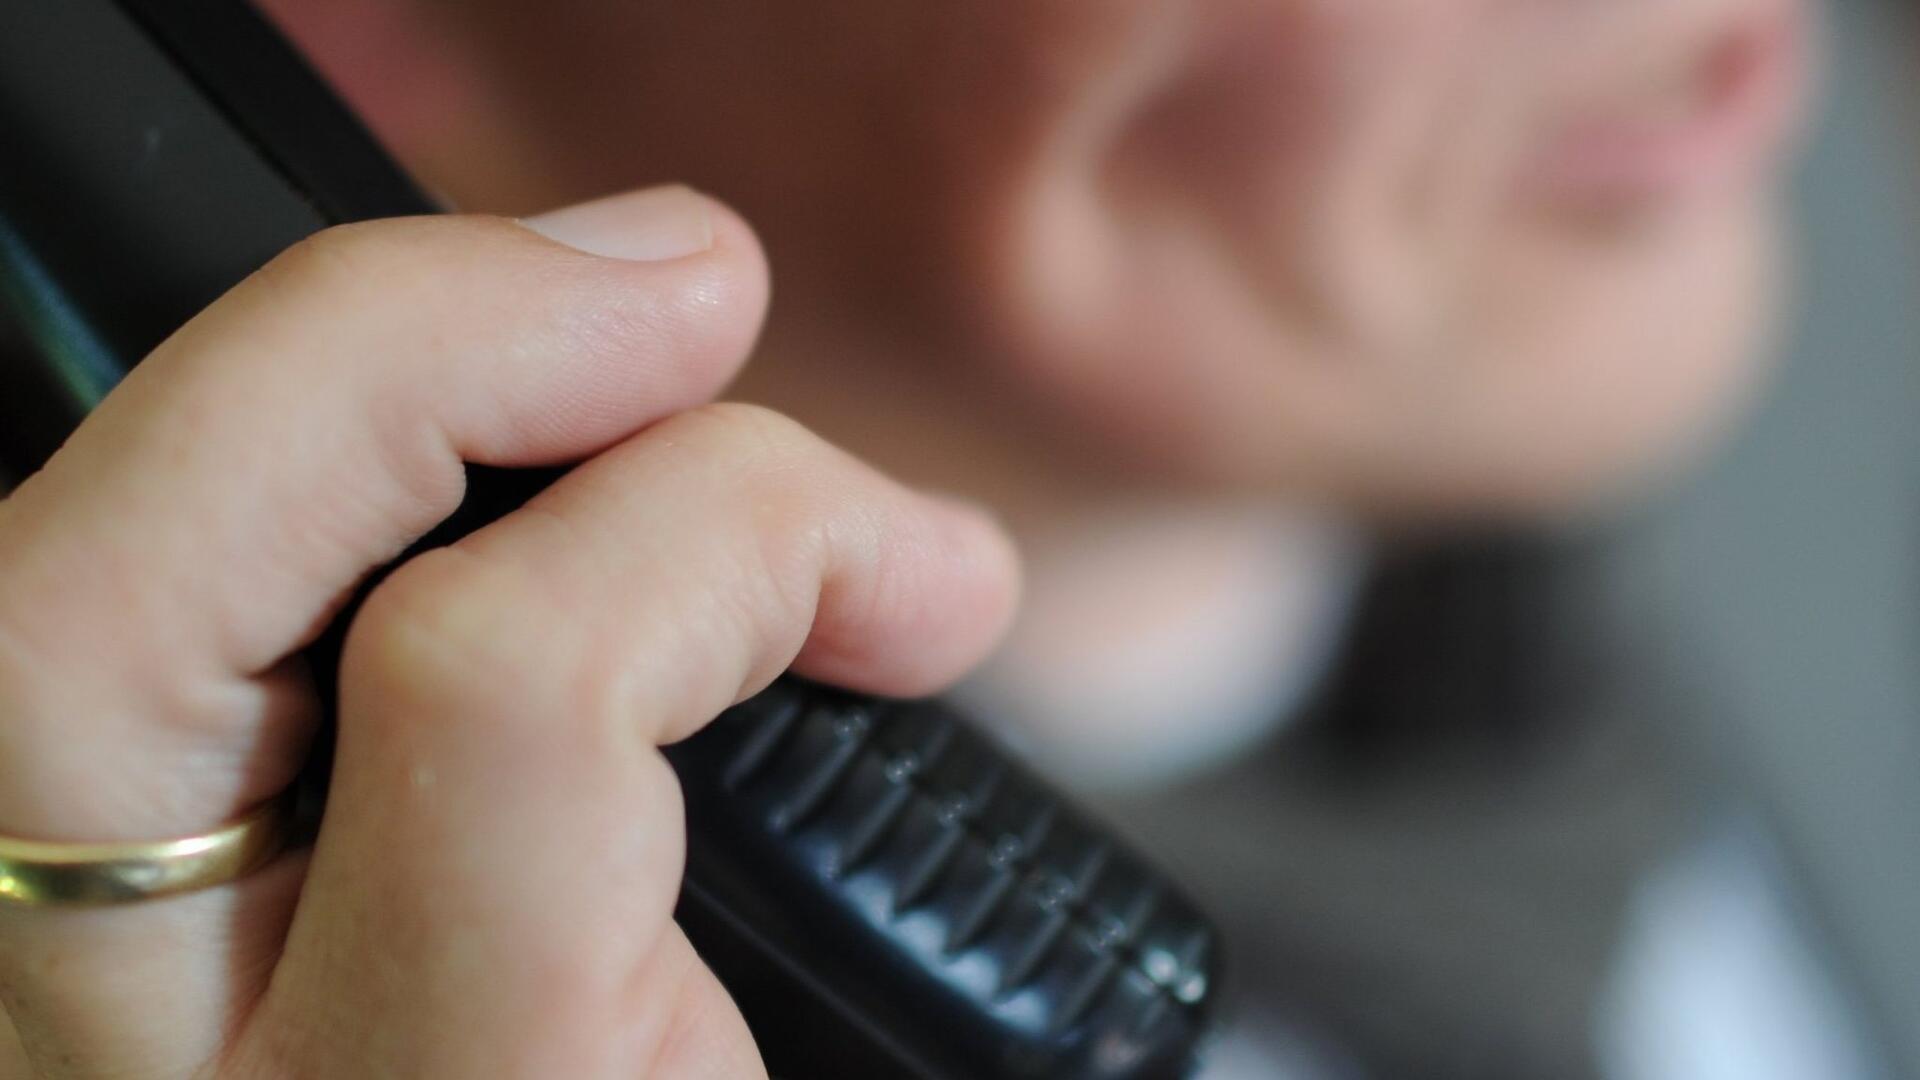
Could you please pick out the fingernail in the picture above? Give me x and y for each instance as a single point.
(655, 224)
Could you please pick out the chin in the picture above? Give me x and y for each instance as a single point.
(1613, 370)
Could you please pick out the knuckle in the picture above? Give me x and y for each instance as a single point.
(747, 434)
(465, 633)
(794, 501)
(788, 480)
(441, 630)
(335, 256)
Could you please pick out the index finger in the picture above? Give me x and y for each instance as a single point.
(208, 520)
(210, 517)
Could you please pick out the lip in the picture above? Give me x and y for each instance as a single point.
(1751, 82)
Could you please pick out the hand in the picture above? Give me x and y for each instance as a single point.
(492, 889)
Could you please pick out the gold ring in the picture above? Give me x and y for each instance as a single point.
(36, 873)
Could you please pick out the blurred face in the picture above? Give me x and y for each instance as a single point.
(1412, 255)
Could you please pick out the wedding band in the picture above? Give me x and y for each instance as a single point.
(35, 873)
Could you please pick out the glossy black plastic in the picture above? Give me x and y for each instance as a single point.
(1002, 934)
(884, 892)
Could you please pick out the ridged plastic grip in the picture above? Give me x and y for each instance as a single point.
(998, 932)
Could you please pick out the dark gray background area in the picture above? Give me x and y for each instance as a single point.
(1788, 579)
(1437, 872)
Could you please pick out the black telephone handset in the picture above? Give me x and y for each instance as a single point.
(882, 890)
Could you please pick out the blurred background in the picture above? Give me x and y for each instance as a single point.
(1623, 799)
(1788, 580)
(1745, 848)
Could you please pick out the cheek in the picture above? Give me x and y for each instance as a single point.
(1252, 274)
(1603, 369)
(1213, 202)
(1577, 368)
(1292, 138)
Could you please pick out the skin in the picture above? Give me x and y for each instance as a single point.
(1343, 219)
(1084, 262)
(1271, 268)
(502, 701)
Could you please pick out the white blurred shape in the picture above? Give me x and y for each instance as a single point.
(1717, 980)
